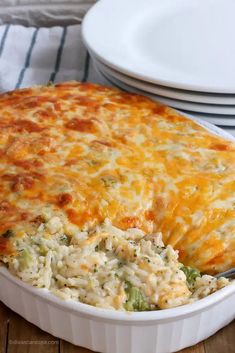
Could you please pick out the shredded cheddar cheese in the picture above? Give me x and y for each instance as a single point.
(83, 153)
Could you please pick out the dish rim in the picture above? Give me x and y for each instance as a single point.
(115, 315)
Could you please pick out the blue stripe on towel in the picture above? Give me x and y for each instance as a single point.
(28, 58)
(59, 55)
(86, 70)
(3, 40)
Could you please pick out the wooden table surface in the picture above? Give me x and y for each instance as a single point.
(19, 336)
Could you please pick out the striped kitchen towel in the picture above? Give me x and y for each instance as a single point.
(30, 56)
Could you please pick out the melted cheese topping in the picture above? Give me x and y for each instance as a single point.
(87, 152)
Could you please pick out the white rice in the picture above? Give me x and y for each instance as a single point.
(101, 267)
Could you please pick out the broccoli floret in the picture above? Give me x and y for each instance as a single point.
(191, 275)
(135, 299)
(25, 259)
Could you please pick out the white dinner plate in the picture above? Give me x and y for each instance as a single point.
(182, 44)
(178, 104)
(191, 96)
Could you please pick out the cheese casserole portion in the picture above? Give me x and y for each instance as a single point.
(85, 153)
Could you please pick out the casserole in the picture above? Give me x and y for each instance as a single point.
(81, 153)
(39, 105)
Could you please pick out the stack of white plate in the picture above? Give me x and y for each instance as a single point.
(180, 52)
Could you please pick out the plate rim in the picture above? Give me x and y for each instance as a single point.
(219, 131)
(161, 99)
(120, 75)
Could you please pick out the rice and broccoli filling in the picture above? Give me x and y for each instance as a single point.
(107, 267)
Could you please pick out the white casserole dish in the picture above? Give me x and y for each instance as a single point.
(108, 331)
